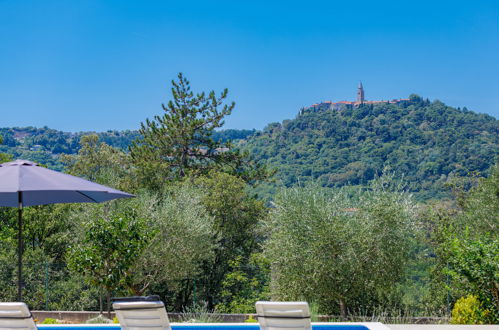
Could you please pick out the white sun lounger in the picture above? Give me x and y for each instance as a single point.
(137, 313)
(283, 315)
(16, 315)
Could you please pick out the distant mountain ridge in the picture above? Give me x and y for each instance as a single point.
(425, 142)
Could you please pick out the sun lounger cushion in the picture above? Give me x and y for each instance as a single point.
(283, 315)
(138, 313)
(16, 315)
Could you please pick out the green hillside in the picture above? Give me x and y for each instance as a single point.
(45, 145)
(424, 142)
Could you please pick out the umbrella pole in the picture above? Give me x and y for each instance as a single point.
(20, 249)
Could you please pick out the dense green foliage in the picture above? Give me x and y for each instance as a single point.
(468, 310)
(45, 145)
(192, 219)
(3, 156)
(467, 244)
(344, 250)
(349, 241)
(99, 162)
(180, 143)
(246, 283)
(109, 247)
(236, 216)
(48, 146)
(425, 143)
(233, 135)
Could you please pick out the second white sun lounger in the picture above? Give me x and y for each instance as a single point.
(138, 313)
(283, 315)
(16, 315)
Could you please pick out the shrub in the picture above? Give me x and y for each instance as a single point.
(467, 310)
(199, 314)
(250, 319)
(314, 311)
(50, 320)
(99, 319)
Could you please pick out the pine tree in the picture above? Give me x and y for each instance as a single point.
(180, 142)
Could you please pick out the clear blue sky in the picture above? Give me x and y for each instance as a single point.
(98, 65)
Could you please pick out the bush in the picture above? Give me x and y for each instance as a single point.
(101, 319)
(250, 319)
(467, 310)
(50, 320)
(199, 314)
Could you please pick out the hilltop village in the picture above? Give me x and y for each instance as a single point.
(342, 105)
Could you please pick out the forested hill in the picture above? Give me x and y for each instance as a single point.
(45, 145)
(424, 142)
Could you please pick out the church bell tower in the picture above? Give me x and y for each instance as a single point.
(360, 94)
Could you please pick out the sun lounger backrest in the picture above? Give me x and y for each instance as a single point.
(16, 315)
(283, 315)
(139, 315)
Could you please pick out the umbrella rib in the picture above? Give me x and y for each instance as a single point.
(79, 192)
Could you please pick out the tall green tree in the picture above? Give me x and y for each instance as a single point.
(101, 163)
(236, 217)
(180, 142)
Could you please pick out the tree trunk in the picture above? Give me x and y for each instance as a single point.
(108, 305)
(100, 302)
(343, 310)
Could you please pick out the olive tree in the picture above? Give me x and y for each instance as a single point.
(182, 238)
(340, 249)
(128, 246)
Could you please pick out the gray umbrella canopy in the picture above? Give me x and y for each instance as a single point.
(24, 183)
(40, 185)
